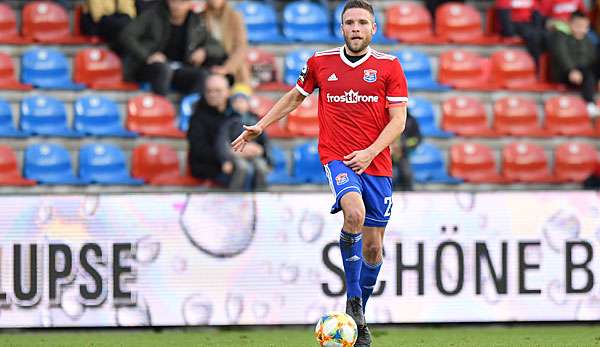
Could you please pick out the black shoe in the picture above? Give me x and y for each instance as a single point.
(364, 337)
(354, 310)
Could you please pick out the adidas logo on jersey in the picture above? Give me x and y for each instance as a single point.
(352, 97)
(333, 77)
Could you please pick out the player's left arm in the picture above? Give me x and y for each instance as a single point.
(359, 161)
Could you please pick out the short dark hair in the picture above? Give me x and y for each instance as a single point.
(365, 5)
(578, 15)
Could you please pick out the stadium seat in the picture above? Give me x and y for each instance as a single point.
(260, 105)
(48, 22)
(261, 22)
(517, 116)
(574, 162)
(378, 38)
(100, 68)
(47, 68)
(9, 169)
(524, 162)
(462, 69)
(50, 164)
(304, 120)
(280, 173)
(7, 127)
(307, 22)
(152, 115)
(422, 110)
(9, 33)
(466, 116)
(158, 165)
(409, 22)
(429, 166)
(99, 116)
(264, 71)
(7, 74)
(514, 69)
(105, 164)
(461, 23)
(418, 71)
(474, 163)
(307, 166)
(294, 62)
(46, 116)
(567, 115)
(186, 109)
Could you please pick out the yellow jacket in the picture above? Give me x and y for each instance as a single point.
(100, 8)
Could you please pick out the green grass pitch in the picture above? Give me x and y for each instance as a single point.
(530, 336)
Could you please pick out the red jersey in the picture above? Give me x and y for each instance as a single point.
(353, 102)
(521, 10)
(561, 9)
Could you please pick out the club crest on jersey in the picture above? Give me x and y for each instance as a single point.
(370, 76)
(341, 178)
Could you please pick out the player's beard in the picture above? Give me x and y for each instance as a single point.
(357, 46)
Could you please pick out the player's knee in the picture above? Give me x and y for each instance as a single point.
(355, 217)
(372, 253)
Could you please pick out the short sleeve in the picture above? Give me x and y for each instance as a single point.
(307, 82)
(396, 88)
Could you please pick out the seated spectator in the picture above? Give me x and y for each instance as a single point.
(214, 124)
(522, 18)
(227, 26)
(169, 46)
(143, 5)
(558, 12)
(573, 59)
(401, 149)
(107, 18)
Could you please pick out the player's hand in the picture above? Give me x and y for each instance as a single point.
(359, 161)
(251, 132)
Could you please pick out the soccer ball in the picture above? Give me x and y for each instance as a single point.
(336, 329)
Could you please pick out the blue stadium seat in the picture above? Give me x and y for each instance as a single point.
(428, 165)
(261, 22)
(7, 127)
(49, 163)
(47, 68)
(105, 164)
(307, 166)
(45, 115)
(280, 173)
(99, 116)
(422, 110)
(186, 109)
(417, 69)
(294, 62)
(307, 22)
(377, 38)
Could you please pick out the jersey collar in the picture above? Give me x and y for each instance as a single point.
(358, 62)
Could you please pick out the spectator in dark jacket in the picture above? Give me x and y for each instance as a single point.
(573, 59)
(169, 46)
(107, 18)
(409, 140)
(213, 126)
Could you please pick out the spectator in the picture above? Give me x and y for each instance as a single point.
(558, 12)
(143, 5)
(573, 59)
(522, 18)
(107, 18)
(169, 46)
(227, 26)
(401, 149)
(213, 126)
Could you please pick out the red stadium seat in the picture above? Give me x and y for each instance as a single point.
(152, 115)
(304, 120)
(261, 105)
(463, 69)
(9, 170)
(474, 163)
(568, 115)
(264, 72)
(7, 74)
(409, 22)
(525, 163)
(574, 162)
(9, 33)
(100, 69)
(158, 165)
(461, 23)
(514, 69)
(518, 116)
(48, 22)
(465, 116)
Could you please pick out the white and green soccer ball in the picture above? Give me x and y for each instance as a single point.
(336, 329)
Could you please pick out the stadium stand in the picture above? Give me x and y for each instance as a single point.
(100, 68)
(158, 164)
(429, 166)
(466, 116)
(517, 116)
(47, 22)
(49, 164)
(152, 115)
(186, 109)
(96, 115)
(574, 161)
(47, 68)
(9, 169)
(423, 111)
(418, 70)
(7, 74)
(524, 162)
(307, 22)
(45, 116)
(7, 127)
(474, 163)
(105, 164)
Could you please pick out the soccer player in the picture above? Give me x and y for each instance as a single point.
(362, 110)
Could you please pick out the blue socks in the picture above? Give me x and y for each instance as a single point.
(368, 278)
(351, 248)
